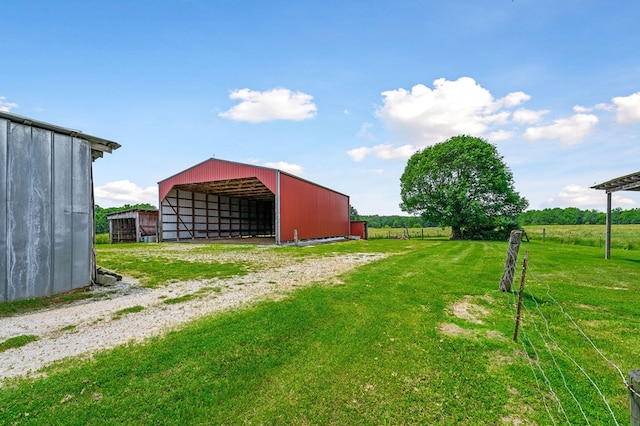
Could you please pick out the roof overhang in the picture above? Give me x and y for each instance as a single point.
(98, 145)
(250, 187)
(629, 182)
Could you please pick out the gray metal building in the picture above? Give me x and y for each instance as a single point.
(46, 210)
(133, 226)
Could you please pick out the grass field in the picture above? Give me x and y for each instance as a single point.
(421, 337)
(625, 237)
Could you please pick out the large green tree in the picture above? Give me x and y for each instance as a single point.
(462, 183)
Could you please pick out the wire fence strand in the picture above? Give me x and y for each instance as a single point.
(548, 345)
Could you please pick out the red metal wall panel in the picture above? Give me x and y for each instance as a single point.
(312, 210)
(214, 169)
(359, 229)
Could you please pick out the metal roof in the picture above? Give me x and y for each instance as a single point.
(98, 145)
(629, 182)
(230, 178)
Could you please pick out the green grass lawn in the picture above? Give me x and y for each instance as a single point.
(388, 346)
(626, 237)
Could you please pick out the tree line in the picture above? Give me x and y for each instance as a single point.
(575, 216)
(549, 216)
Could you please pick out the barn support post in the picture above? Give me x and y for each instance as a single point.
(634, 396)
(277, 207)
(607, 250)
(510, 263)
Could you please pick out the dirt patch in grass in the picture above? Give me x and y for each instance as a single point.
(468, 310)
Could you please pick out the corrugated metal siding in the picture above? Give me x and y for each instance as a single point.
(46, 231)
(314, 211)
(213, 170)
(359, 229)
(4, 129)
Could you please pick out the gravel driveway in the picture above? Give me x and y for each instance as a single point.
(93, 324)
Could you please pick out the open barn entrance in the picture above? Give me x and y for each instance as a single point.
(132, 226)
(228, 209)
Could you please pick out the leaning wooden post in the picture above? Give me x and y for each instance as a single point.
(522, 278)
(510, 264)
(634, 396)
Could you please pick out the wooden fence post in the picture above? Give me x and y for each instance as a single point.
(634, 396)
(522, 279)
(510, 264)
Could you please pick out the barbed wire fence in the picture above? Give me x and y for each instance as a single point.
(571, 391)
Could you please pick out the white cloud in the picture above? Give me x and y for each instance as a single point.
(527, 116)
(425, 116)
(586, 198)
(500, 135)
(570, 131)
(285, 167)
(274, 104)
(364, 131)
(358, 154)
(6, 106)
(513, 99)
(389, 152)
(125, 192)
(627, 108)
(604, 107)
(384, 151)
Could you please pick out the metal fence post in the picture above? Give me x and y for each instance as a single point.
(634, 396)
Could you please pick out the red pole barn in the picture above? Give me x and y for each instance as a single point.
(224, 199)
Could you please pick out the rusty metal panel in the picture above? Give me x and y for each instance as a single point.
(312, 210)
(46, 210)
(62, 213)
(46, 223)
(3, 209)
(81, 212)
(71, 220)
(29, 212)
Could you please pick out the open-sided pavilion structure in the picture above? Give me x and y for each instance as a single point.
(629, 182)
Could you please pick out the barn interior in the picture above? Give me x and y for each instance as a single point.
(225, 209)
(133, 226)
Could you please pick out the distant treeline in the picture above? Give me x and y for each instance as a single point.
(575, 216)
(102, 224)
(554, 216)
(377, 221)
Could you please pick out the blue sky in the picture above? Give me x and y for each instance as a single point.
(338, 92)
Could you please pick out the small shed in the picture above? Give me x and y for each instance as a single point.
(46, 214)
(630, 182)
(135, 225)
(360, 229)
(219, 199)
